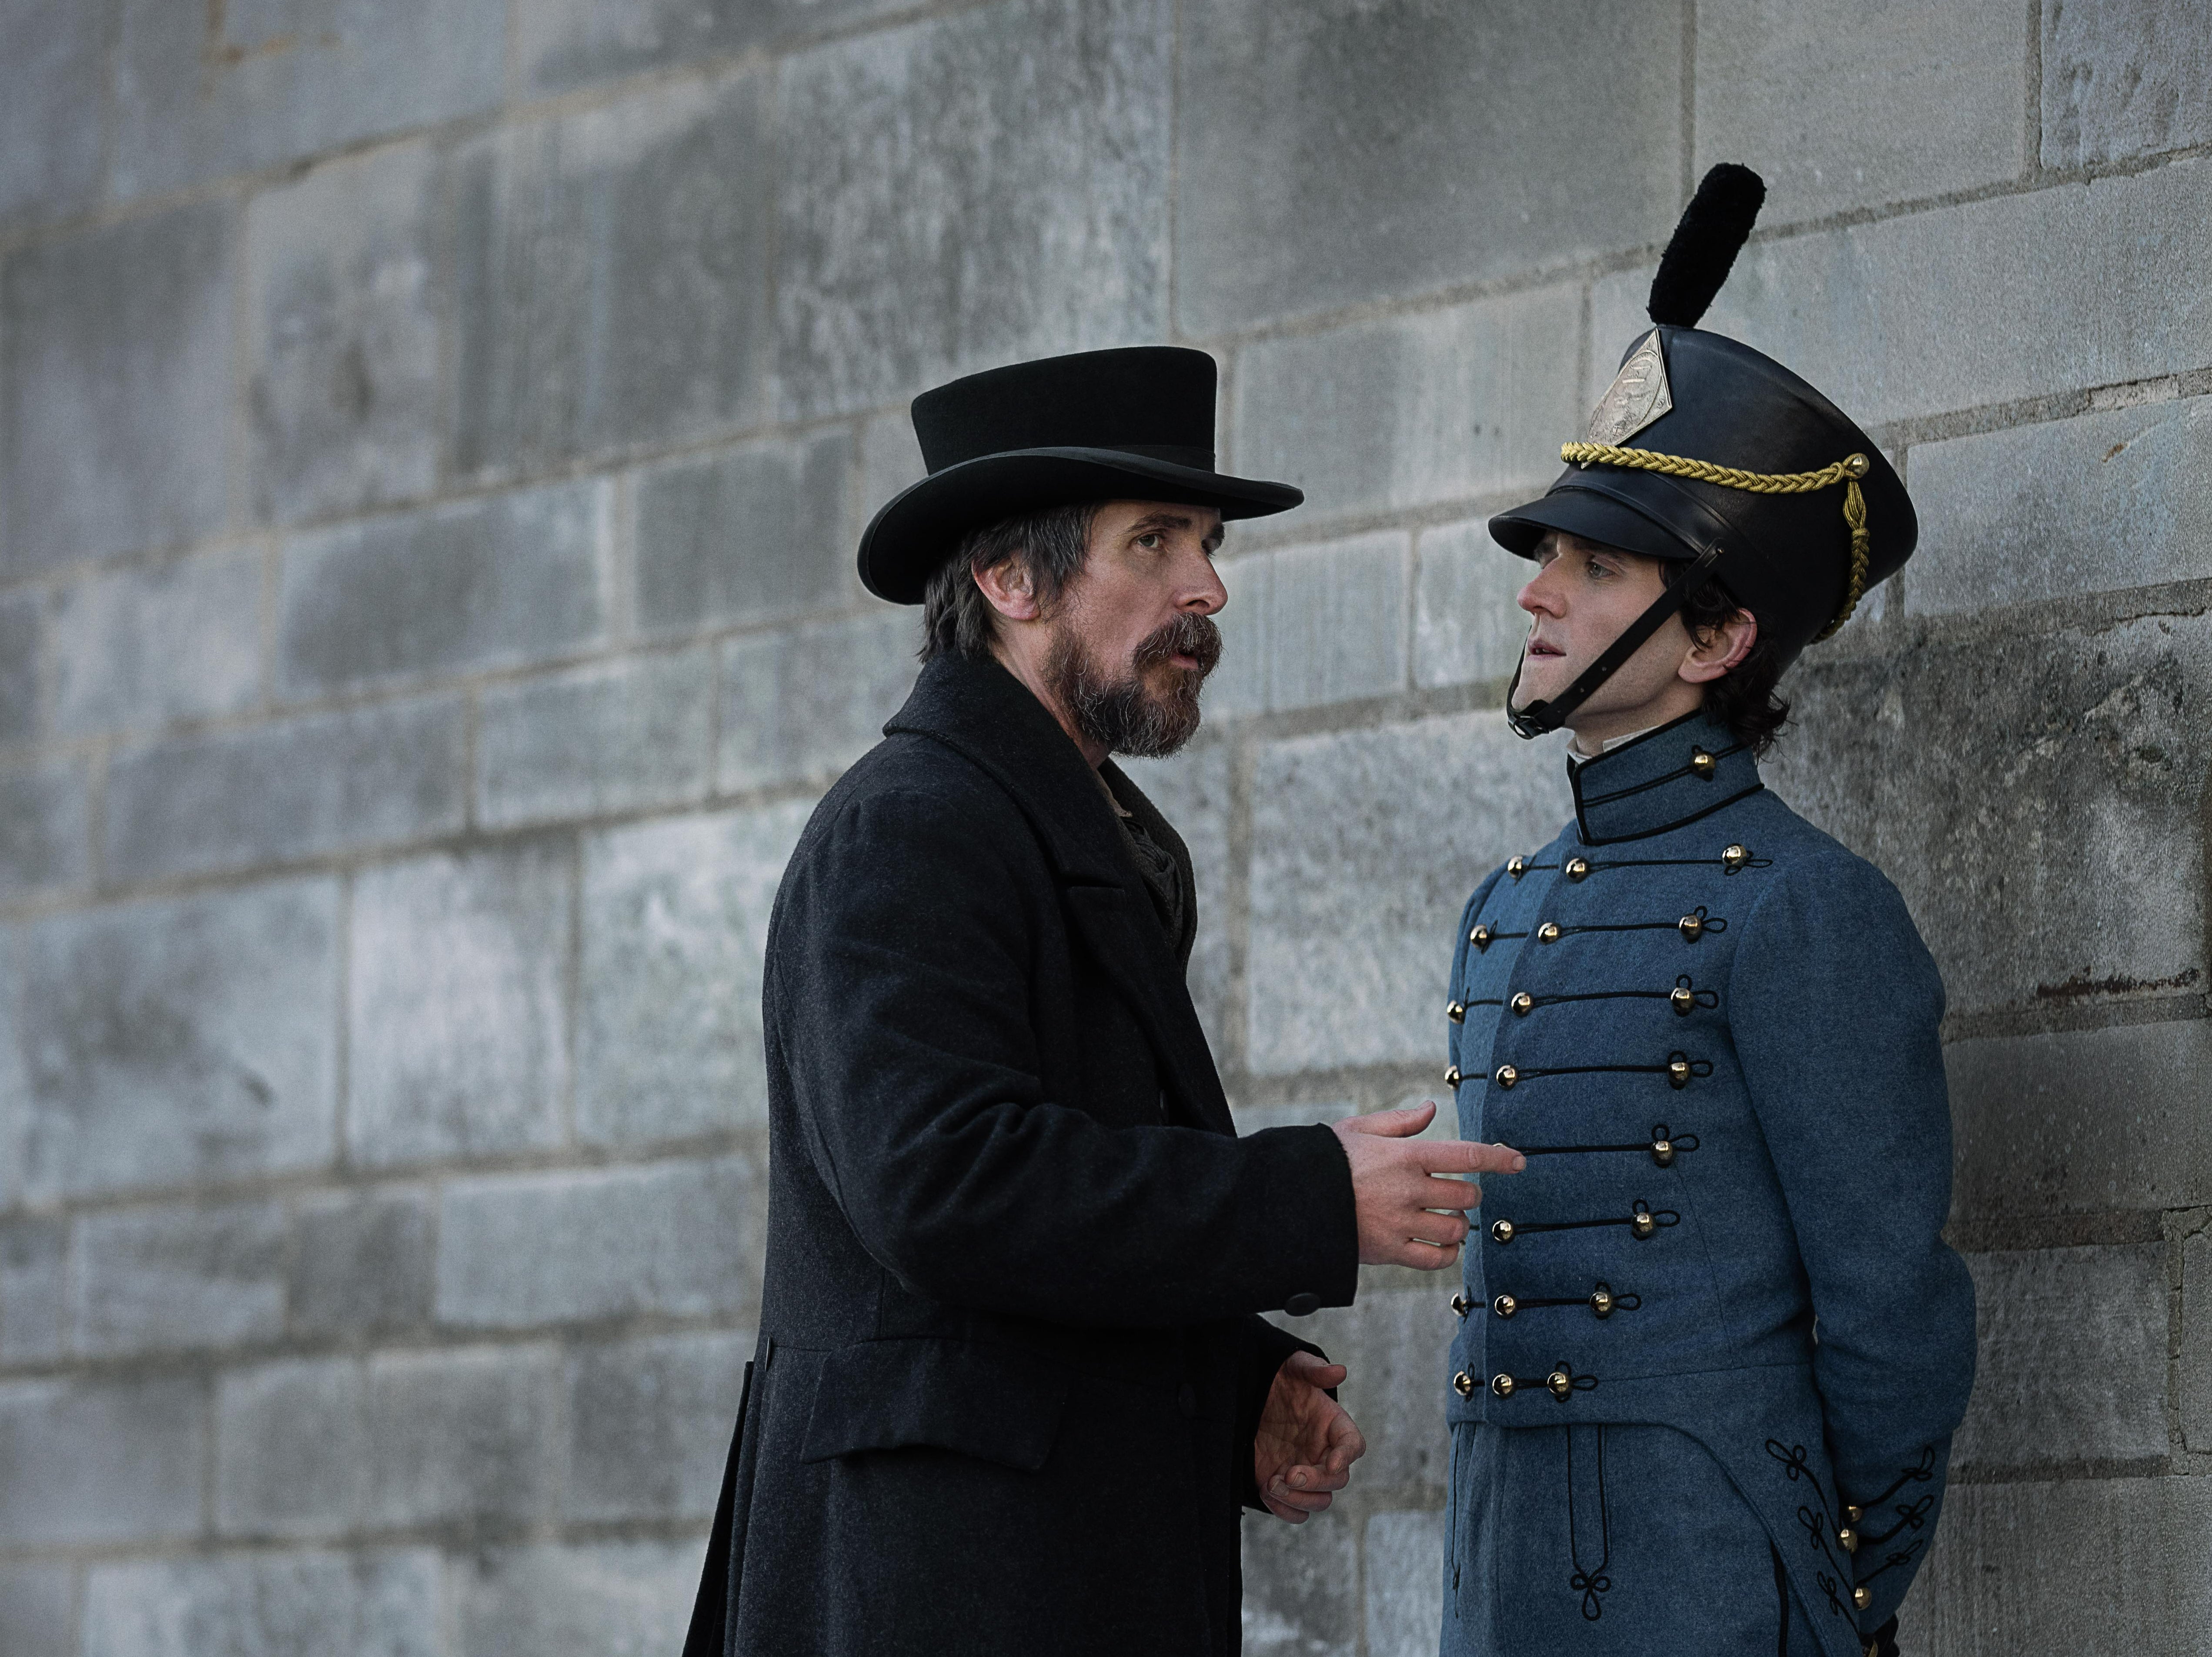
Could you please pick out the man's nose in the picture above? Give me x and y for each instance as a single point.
(1207, 595)
(1537, 597)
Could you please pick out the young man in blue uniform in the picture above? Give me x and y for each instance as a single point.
(1710, 1346)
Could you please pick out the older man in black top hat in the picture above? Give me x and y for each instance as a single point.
(1012, 1386)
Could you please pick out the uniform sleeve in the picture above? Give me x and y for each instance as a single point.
(900, 1002)
(1836, 1005)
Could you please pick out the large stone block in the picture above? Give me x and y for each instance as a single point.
(292, 1448)
(802, 704)
(362, 1264)
(2121, 498)
(1358, 879)
(1347, 150)
(972, 190)
(1397, 1387)
(1193, 790)
(478, 584)
(23, 618)
(156, 1043)
(174, 1278)
(33, 1252)
(376, 1603)
(623, 1598)
(1950, 82)
(2050, 844)
(2196, 1356)
(137, 648)
(649, 1421)
(100, 1462)
(614, 736)
(343, 294)
(1466, 627)
(54, 74)
(115, 351)
(675, 921)
(204, 91)
(567, 43)
(670, 1239)
(460, 1436)
(291, 789)
(635, 236)
(2083, 1122)
(458, 1005)
(1404, 411)
(2071, 1353)
(1405, 1558)
(1302, 1587)
(45, 828)
(1332, 620)
(2086, 1565)
(38, 1609)
(2124, 78)
(754, 534)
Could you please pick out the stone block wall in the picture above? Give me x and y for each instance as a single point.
(433, 436)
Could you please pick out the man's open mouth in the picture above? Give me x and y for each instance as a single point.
(1540, 647)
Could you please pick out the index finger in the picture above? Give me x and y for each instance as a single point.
(1468, 1156)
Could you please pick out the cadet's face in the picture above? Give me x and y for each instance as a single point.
(1583, 597)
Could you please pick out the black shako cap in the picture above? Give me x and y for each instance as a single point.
(1786, 557)
(1135, 423)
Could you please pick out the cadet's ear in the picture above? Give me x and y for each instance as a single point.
(1720, 649)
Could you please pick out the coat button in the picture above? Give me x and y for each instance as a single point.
(1480, 937)
(1692, 927)
(1517, 867)
(1643, 1224)
(1863, 1597)
(1848, 1540)
(1186, 1400)
(1678, 1072)
(1303, 1305)
(1501, 1231)
(1502, 1385)
(1507, 1076)
(1683, 999)
(1548, 932)
(1560, 1382)
(1463, 1384)
(1524, 1003)
(1703, 764)
(1601, 1301)
(1853, 1513)
(1456, 1012)
(1451, 1076)
(1663, 1152)
(1733, 858)
(1461, 1305)
(1505, 1306)
(1577, 869)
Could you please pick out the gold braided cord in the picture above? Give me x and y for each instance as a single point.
(1846, 471)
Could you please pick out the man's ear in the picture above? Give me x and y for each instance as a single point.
(1010, 588)
(1720, 649)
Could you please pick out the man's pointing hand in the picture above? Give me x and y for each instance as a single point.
(1410, 1212)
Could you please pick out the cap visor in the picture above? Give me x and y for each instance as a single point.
(1593, 517)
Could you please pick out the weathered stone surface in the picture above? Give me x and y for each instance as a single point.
(2087, 1565)
(201, 91)
(2117, 499)
(2122, 78)
(55, 70)
(2050, 847)
(1336, 620)
(377, 1602)
(22, 621)
(635, 235)
(649, 1421)
(675, 921)
(1329, 151)
(169, 1278)
(2196, 1357)
(344, 297)
(626, 1598)
(679, 1239)
(287, 790)
(756, 533)
(97, 1462)
(43, 830)
(484, 583)
(1193, 791)
(1466, 627)
(1950, 82)
(977, 189)
(362, 1264)
(32, 1251)
(37, 1609)
(2087, 1121)
(1405, 1555)
(185, 1040)
(460, 1436)
(614, 736)
(2071, 1353)
(1357, 876)
(1302, 1587)
(803, 704)
(114, 346)
(567, 43)
(457, 1014)
(137, 648)
(1442, 405)
(292, 1448)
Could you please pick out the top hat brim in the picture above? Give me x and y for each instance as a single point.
(918, 529)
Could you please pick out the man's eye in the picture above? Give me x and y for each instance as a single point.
(1150, 539)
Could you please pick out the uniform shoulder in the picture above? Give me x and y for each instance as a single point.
(1809, 859)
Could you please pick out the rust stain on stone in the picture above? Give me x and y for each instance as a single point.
(2074, 989)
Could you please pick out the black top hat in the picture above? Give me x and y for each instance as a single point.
(1130, 424)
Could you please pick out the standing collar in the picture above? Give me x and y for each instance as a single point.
(1673, 774)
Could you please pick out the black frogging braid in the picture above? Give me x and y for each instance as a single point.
(1711, 233)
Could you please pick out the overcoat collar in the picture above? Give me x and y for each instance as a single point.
(983, 712)
(1665, 778)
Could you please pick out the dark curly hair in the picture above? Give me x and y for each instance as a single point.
(1743, 698)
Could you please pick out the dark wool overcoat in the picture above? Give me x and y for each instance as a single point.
(1010, 1364)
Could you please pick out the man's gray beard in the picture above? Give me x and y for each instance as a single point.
(1121, 715)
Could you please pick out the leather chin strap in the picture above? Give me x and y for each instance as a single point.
(1540, 718)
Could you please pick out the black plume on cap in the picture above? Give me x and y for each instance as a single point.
(1711, 234)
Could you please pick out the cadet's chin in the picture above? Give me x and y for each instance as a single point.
(1541, 678)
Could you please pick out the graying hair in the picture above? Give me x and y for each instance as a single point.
(956, 619)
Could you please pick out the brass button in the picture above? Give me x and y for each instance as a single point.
(1862, 1597)
(1517, 867)
(1663, 1152)
(1523, 1003)
(1502, 1385)
(1507, 1076)
(1692, 927)
(1480, 937)
(1577, 869)
(1461, 1305)
(1601, 1301)
(1853, 1513)
(1678, 1072)
(1857, 464)
(1733, 858)
(1703, 764)
(1456, 1011)
(1505, 1306)
(1848, 1540)
(1548, 932)
(1501, 1231)
(1682, 999)
(1463, 1384)
(1560, 1382)
(1451, 1076)
(1643, 1225)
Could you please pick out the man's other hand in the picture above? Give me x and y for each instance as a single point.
(1307, 1441)
(1410, 1212)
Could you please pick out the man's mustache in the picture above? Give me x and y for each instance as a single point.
(1188, 635)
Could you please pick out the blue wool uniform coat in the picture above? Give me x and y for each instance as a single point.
(1710, 1346)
